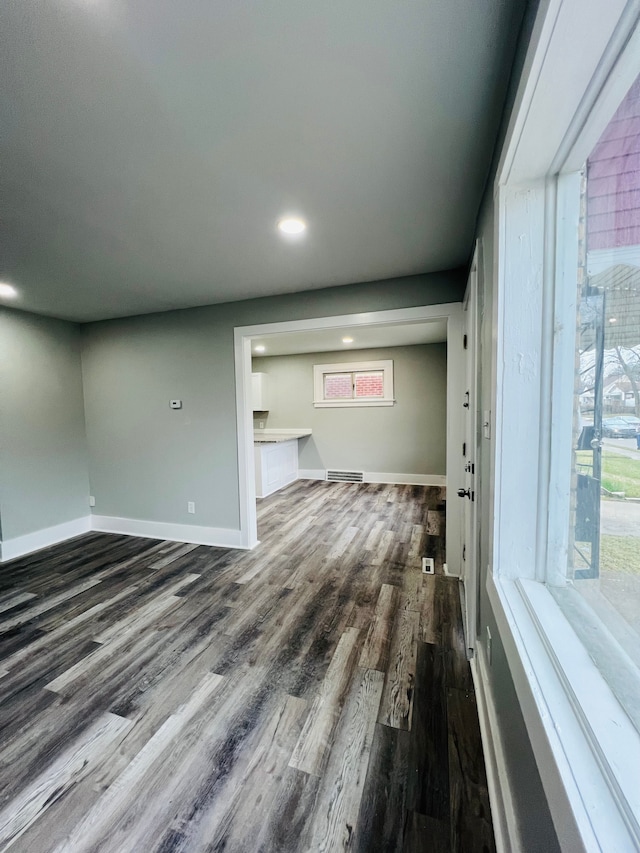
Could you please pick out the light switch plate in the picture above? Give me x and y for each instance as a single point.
(175, 404)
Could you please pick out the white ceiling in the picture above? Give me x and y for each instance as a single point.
(364, 337)
(148, 148)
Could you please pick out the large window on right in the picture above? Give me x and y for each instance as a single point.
(604, 535)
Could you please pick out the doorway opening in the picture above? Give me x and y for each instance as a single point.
(370, 323)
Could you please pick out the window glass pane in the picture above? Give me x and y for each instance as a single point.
(604, 562)
(338, 386)
(369, 384)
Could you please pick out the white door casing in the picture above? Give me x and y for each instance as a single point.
(469, 405)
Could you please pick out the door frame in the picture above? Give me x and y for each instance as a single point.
(243, 335)
(469, 528)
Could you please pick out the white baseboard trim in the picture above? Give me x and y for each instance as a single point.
(406, 479)
(312, 474)
(220, 537)
(377, 477)
(505, 822)
(20, 546)
(11, 549)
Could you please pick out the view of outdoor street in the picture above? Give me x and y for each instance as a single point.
(605, 525)
(620, 532)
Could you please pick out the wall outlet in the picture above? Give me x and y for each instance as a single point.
(489, 648)
(92, 500)
(191, 507)
(260, 424)
(428, 566)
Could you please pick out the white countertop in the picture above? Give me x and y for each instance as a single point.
(273, 436)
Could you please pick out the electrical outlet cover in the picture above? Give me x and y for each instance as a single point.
(428, 566)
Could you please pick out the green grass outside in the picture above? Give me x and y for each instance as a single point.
(619, 473)
(617, 554)
(620, 554)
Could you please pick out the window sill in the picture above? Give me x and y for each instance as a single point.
(586, 748)
(355, 404)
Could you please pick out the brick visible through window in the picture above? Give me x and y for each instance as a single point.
(355, 383)
(369, 384)
(338, 386)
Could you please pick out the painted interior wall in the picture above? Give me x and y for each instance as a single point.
(536, 825)
(43, 453)
(147, 460)
(406, 438)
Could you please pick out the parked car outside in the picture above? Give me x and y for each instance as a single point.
(621, 426)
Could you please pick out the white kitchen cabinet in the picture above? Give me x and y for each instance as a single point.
(276, 466)
(259, 392)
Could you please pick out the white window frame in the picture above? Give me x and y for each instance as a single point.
(320, 370)
(578, 68)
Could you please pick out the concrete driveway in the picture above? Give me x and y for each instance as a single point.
(622, 447)
(620, 518)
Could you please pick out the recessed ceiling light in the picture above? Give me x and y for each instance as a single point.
(613, 319)
(292, 225)
(7, 291)
(259, 348)
(347, 340)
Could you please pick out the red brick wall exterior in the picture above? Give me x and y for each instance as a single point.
(613, 180)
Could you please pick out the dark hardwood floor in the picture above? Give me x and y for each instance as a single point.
(310, 695)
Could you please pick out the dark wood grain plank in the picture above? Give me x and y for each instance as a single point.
(471, 826)
(33, 801)
(335, 816)
(311, 751)
(375, 653)
(423, 833)
(382, 808)
(396, 707)
(428, 786)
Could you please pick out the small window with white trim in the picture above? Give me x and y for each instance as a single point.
(362, 383)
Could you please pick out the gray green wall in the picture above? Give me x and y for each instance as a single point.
(407, 438)
(43, 453)
(146, 460)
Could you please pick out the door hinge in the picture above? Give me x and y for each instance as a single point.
(464, 552)
(464, 341)
(464, 448)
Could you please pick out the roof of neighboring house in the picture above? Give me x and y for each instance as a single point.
(615, 388)
(613, 179)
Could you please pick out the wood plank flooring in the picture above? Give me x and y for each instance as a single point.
(310, 695)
